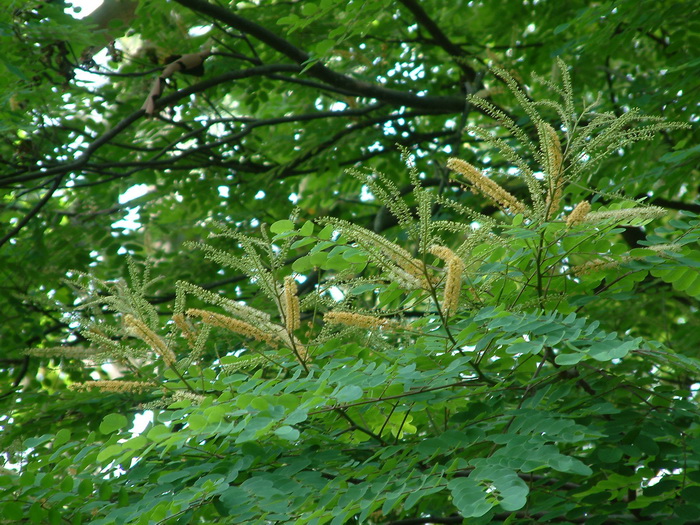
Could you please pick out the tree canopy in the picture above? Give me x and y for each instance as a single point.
(388, 262)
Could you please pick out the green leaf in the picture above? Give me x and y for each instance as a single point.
(511, 490)
(158, 433)
(15, 71)
(62, 436)
(302, 264)
(282, 226)
(109, 452)
(307, 229)
(326, 233)
(287, 432)
(36, 513)
(291, 19)
(197, 422)
(323, 47)
(469, 497)
(67, 484)
(297, 416)
(561, 28)
(527, 347)
(85, 488)
(12, 510)
(112, 422)
(318, 259)
(309, 9)
(303, 242)
(37, 441)
(679, 156)
(349, 393)
(569, 359)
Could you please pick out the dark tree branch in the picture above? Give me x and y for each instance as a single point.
(676, 205)
(81, 162)
(251, 124)
(358, 88)
(32, 213)
(127, 121)
(440, 38)
(611, 87)
(313, 85)
(24, 368)
(114, 170)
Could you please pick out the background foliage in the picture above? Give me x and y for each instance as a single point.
(574, 401)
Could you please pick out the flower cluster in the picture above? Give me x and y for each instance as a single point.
(355, 319)
(234, 325)
(125, 387)
(453, 281)
(68, 352)
(491, 189)
(290, 304)
(578, 214)
(139, 329)
(555, 161)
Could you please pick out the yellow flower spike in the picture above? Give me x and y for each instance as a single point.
(234, 325)
(353, 319)
(185, 328)
(139, 329)
(453, 286)
(126, 387)
(486, 186)
(453, 281)
(555, 160)
(290, 304)
(578, 214)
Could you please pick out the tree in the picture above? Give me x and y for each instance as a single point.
(382, 273)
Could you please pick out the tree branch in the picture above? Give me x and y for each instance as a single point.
(440, 38)
(31, 213)
(127, 121)
(363, 89)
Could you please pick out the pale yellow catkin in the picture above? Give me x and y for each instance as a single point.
(671, 247)
(647, 212)
(486, 186)
(408, 271)
(443, 252)
(453, 280)
(234, 325)
(130, 387)
(139, 329)
(553, 200)
(597, 265)
(397, 262)
(291, 304)
(354, 319)
(187, 333)
(555, 161)
(302, 353)
(578, 214)
(414, 268)
(68, 352)
(453, 286)
(605, 264)
(196, 399)
(553, 152)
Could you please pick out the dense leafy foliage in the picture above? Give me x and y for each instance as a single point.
(332, 314)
